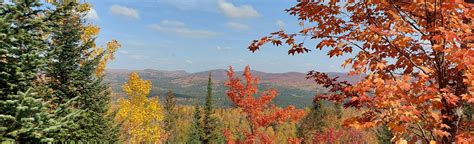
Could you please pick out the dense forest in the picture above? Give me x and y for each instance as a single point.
(411, 80)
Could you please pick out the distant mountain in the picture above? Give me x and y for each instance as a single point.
(293, 87)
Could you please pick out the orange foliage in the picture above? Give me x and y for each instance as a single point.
(259, 112)
(419, 57)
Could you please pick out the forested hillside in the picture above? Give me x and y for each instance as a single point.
(294, 88)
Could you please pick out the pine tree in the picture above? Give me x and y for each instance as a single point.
(313, 122)
(170, 117)
(71, 68)
(23, 115)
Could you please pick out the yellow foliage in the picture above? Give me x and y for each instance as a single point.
(401, 141)
(141, 116)
(112, 47)
(90, 32)
(84, 7)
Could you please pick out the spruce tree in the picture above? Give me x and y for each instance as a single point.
(31, 121)
(313, 122)
(24, 116)
(21, 45)
(72, 72)
(205, 125)
(211, 133)
(196, 131)
(384, 135)
(170, 117)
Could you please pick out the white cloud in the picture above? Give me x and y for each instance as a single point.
(194, 5)
(179, 28)
(124, 11)
(139, 57)
(237, 26)
(239, 62)
(219, 48)
(280, 24)
(124, 52)
(92, 15)
(134, 43)
(243, 11)
(189, 62)
(172, 23)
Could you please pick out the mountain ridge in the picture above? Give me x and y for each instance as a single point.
(293, 87)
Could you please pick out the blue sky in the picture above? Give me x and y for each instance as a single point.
(198, 35)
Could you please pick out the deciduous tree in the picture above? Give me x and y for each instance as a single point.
(418, 55)
(257, 110)
(140, 116)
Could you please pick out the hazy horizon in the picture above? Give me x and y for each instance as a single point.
(238, 70)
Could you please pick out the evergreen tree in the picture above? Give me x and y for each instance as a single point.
(71, 67)
(195, 136)
(21, 45)
(468, 112)
(211, 133)
(31, 121)
(313, 122)
(205, 125)
(23, 115)
(338, 109)
(384, 135)
(170, 117)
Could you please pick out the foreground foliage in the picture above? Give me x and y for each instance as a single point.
(24, 116)
(418, 55)
(49, 90)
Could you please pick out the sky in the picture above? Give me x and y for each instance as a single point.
(200, 35)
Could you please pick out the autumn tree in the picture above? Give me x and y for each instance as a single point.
(140, 116)
(258, 110)
(332, 136)
(418, 55)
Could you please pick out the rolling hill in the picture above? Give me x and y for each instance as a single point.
(293, 87)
